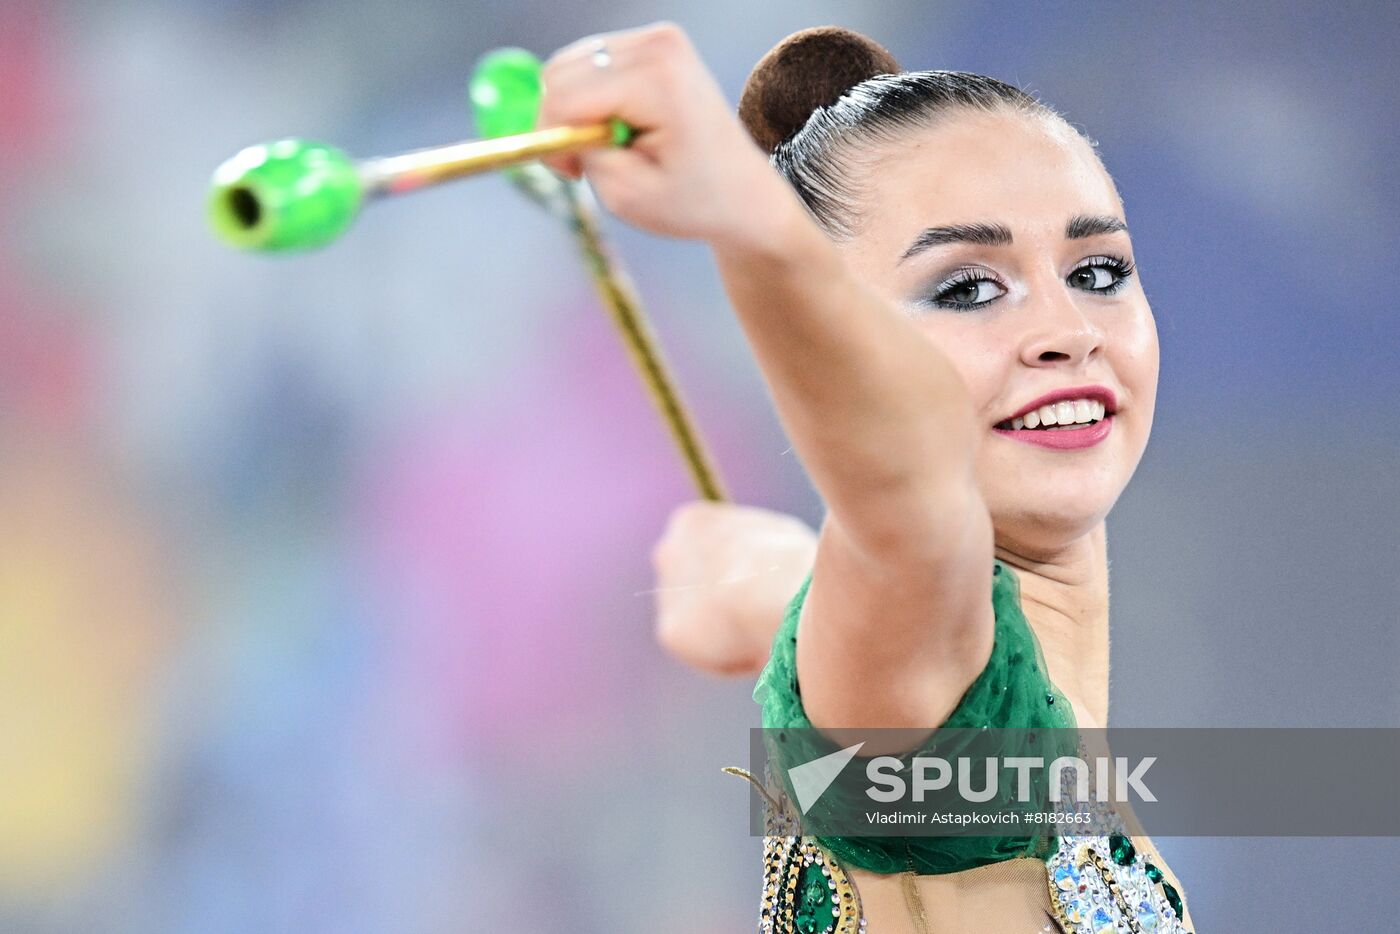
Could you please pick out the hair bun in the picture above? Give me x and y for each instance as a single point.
(809, 69)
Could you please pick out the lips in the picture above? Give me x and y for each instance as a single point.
(1081, 436)
(1065, 419)
(1094, 392)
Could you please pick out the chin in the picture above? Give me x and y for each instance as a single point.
(1035, 526)
(1046, 499)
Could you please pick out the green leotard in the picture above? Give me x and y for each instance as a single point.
(1013, 691)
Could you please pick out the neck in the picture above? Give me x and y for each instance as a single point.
(1065, 597)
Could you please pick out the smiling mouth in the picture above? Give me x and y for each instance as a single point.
(1068, 415)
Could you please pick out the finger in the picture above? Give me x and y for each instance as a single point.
(637, 98)
(581, 93)
(624, 182)
(620, 43)
(574, 67)
(586, 97)
(566, 164)
(575, 88)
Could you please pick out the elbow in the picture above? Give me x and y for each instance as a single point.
(919, 528)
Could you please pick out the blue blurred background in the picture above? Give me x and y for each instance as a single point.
(324, 589)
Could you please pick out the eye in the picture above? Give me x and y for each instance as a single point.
(966, 289)
(1102, 274)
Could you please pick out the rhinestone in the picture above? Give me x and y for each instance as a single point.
(1173, 898)
(1147, 917)
(1102, 923)
(1121, 848)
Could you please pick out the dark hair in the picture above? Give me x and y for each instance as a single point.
(821, 91)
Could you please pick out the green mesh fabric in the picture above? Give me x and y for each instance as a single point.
(1013, 691)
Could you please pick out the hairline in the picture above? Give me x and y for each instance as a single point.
(851, 224)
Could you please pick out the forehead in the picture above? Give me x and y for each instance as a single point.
(1030, 173)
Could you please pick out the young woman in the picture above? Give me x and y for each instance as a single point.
(934, 272)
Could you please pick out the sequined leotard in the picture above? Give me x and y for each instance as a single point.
(1086, 884)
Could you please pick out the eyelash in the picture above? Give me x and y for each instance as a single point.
(1121, 267)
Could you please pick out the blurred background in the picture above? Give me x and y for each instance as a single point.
(324, 581)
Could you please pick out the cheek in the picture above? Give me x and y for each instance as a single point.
(1137, 356)
(979, 355)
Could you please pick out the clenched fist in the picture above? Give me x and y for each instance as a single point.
(691, 169)
(724, 575)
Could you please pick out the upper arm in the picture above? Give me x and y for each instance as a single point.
(893, 637)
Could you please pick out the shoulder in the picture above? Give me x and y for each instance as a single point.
(1010, 690)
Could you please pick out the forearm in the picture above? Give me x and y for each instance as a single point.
(875, 410)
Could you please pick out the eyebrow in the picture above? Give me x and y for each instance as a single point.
(1079, 227)
(1092, 225)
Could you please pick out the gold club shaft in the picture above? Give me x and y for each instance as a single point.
(625, 309)
(410, 171)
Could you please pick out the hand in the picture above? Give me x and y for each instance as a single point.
(691, 170)
(724, 575)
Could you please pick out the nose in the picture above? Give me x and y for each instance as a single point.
(1060, 334)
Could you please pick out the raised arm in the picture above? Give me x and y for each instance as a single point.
(898, 621)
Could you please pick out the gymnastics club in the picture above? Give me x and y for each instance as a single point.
(298, 195)
(505, 92)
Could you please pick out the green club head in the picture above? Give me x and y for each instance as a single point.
(288, 195)
(505, 92)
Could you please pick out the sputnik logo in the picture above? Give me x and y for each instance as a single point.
(810, 779)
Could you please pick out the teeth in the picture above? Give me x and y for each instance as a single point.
(1062, 415)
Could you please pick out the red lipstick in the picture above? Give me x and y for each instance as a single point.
(1062, 439)
(1096, 392)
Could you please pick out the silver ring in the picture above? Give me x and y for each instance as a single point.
(601, 57)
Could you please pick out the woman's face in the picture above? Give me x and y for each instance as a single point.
(1025, 292)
